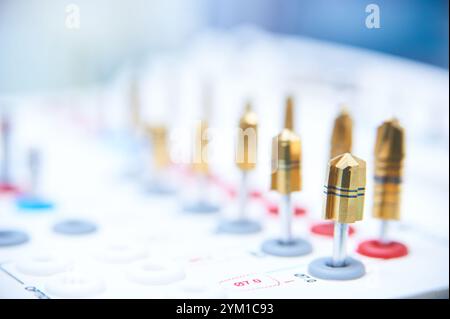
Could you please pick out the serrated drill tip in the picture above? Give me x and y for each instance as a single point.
(286, 156)
(341, 139)
(246, 153)
(345, 189)
(248, 118)
(389, 145)
(200, 158)
(158, 137)
(248, 106)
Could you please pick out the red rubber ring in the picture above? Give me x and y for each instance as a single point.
(256, 194)
(299, 211)
(375, 249)
(8, 188)
(327, 229)
(273, 209)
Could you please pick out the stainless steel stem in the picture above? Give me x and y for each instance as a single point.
(286, 218)
(339, 244)
(34, 167)
(5, 150)
(202, 187)
(384, 239)
(243, 196)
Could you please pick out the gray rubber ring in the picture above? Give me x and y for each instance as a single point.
(297, 247)
(10, 237)
(239, 226)
(321, 268)
(160, 189)
(201, 207)
(74, 227)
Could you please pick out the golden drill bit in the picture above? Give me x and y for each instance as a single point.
(289, 116)
(286, 156)
(200, 156)
(158, 137)
(341, 139)
(345, 189)
(200, 163)
(247, 140)
(389, 155)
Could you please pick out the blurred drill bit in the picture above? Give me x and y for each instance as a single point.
(135, 107)
(341, 139)
(289, 116)
(286, 156)
(247, 140)
(200, 160)
(158, 136)
(34, 166)
(5, 128)
(345, 189)
(389, 155)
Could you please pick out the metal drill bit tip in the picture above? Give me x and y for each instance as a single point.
(345, 189)
(249, 117)
(341, 139)
(389, 148)
(158, 137)
(246, 153)
(289, 115)
(389, 156)
(248, 107)
(286, 157)
(200, 159)
(156, 130)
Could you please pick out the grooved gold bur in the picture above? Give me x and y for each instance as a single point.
(200, 155)
(158, 136)
(247, 140)
(345, 188)
(389, 156)
(200, 160)
(341, 139)
(286, 156)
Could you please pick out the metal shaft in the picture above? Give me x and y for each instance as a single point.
(202, 186)
(243, 196)
(5, 150)
(34, 163)
(384, 239)
(339, 244)
(286, 219)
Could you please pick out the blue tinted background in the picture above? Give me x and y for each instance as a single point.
(416, 29)
(38, 51)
